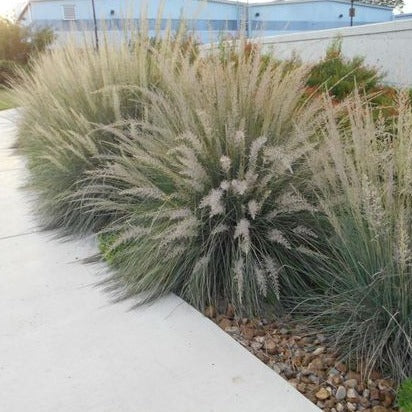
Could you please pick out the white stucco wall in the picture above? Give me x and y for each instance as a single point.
(385, 45)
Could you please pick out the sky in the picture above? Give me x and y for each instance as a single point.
(8, 6)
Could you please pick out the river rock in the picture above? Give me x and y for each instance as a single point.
(322, 394)
(340, 393)
(319, 351)
(352, 395)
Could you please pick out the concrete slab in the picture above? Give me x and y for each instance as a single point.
(16, 204)
(10, 162)
(8, 120)
(66, 347)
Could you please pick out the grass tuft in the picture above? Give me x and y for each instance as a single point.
(6, 99)
(205, 197)
(362, 175)
(68, 96)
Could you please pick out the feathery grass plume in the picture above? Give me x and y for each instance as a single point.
(68, 95)
(206, 146)
(363, 178)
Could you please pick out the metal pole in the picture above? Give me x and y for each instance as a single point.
(238, 19)
(248, 19)
(96, 35)
(351, 12)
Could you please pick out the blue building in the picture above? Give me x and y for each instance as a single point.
(291, 16)
(210, 19)
(403, 16)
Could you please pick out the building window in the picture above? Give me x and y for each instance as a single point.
(69, 12)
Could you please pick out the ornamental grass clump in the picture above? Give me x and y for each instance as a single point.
(362, 174)
(205, 197)
(71, 90)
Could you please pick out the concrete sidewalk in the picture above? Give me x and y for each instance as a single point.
(65, 347)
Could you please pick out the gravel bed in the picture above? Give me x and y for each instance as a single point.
(309, 363)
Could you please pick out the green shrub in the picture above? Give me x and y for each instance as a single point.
(40, 40)
(18, 44)
(362, 174)
(67, 97)
(405, 396)
(205, 198)
(340, 76)
(13, 42)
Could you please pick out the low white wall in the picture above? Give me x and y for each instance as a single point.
(385, 45)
